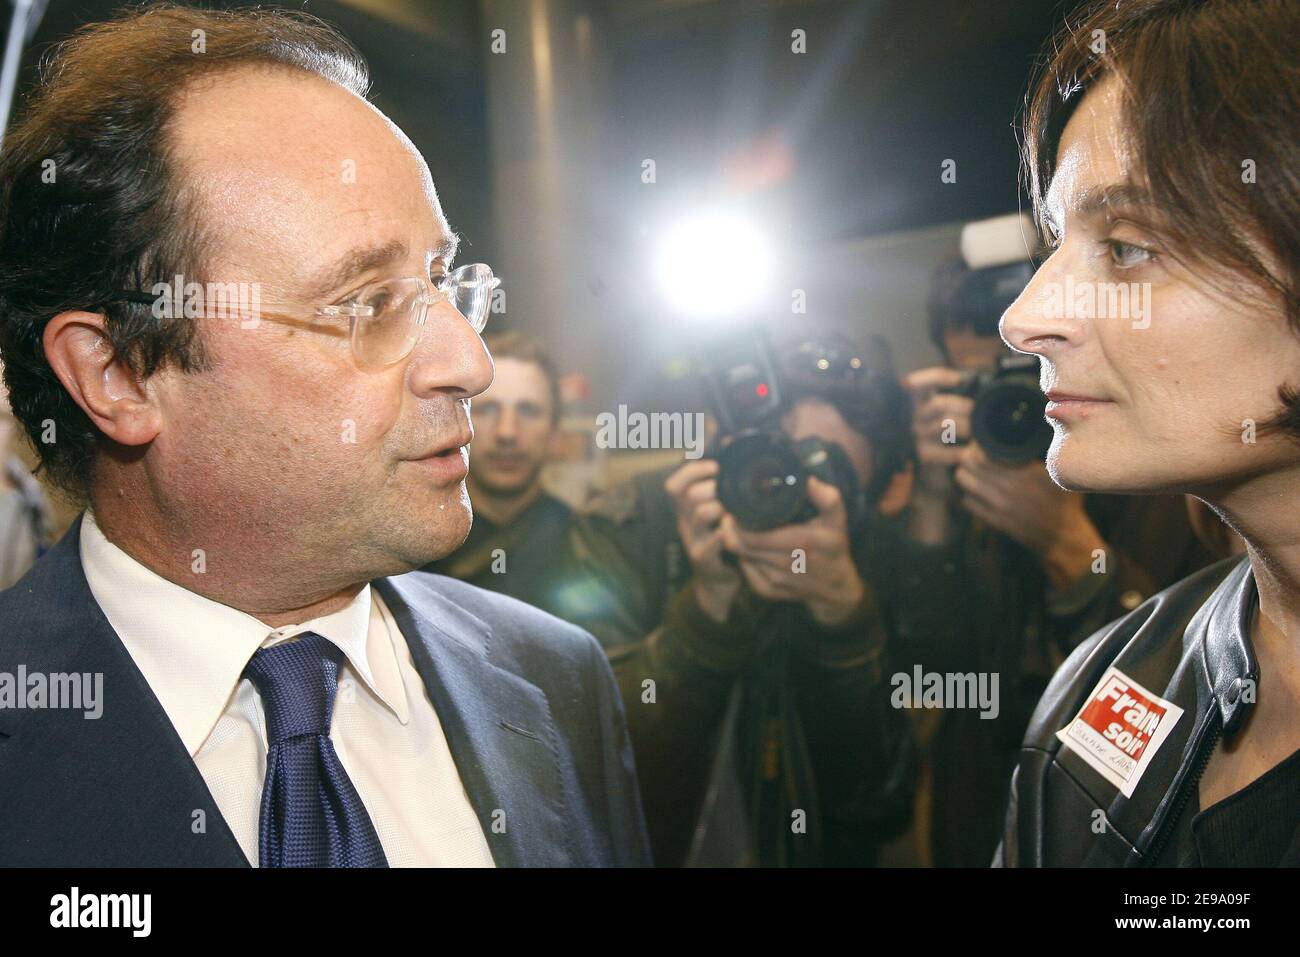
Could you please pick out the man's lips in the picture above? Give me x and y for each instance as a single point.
(449, 465)
(448, 462)
(450, 447)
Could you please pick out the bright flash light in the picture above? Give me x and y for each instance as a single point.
(713, 265)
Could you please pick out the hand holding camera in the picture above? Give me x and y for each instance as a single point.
(824, 579)
(940, 426)
(1023, 503)
(694, 491)
(828, 584)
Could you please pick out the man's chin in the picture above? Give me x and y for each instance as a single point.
(431, 528)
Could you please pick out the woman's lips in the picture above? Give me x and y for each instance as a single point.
(1064, 406)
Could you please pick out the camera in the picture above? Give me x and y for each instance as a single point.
(763, 474)
(998, 259)
(1008, 420)
(763, 478)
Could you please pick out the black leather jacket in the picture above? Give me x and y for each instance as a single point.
(1189, 644)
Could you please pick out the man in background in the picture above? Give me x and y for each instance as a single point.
(519, 541)
(25, 518)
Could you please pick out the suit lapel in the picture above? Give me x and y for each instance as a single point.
(123, 790)
(499, 726)
(120, 789)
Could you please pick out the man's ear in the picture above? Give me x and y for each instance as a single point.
(80, 352)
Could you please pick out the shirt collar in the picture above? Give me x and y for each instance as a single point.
(192, 650)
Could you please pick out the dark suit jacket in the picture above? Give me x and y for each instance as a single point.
(527, 702)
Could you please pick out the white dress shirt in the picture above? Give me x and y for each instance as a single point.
(193, 650)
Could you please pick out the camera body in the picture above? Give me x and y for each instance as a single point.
(762, 473)
(763, 478)
(1008, 420)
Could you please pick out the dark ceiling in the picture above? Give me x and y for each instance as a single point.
(888, 90)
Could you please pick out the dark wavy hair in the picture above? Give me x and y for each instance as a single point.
(1207, 85)
(871, 400)
(92, 201)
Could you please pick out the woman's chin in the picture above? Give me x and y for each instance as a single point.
(1080, 470)
(1107, 472)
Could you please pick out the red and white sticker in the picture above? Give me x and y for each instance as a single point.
(1119, 729)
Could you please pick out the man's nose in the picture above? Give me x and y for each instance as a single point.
(507, 429)
(450, 357)
(1035, 323)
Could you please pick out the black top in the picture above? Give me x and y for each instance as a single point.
(1258, 826)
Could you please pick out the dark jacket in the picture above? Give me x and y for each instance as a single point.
(984, 604)
(528, 558)
(527, 703)
(740, 728)
(1189, 645)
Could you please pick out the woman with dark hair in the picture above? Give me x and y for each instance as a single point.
(1163, 157)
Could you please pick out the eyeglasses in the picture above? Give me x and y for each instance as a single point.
(385, 318)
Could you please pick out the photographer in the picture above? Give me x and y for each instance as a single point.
(1005, 573)
(751, 662)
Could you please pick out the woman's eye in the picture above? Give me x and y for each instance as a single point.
(1127, 255)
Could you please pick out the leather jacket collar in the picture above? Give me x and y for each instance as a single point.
(1227, 657)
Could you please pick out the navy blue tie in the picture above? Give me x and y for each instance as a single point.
(312, 815)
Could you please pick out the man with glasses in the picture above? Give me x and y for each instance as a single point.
(267, 445)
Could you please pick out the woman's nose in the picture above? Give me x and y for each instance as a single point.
(1032, 323)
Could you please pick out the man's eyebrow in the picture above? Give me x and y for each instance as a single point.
(356, 262)
(446, 249)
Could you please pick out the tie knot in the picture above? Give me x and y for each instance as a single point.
(297, 681)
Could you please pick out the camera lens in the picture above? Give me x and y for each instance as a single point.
(1008, 420)
(761, 482)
